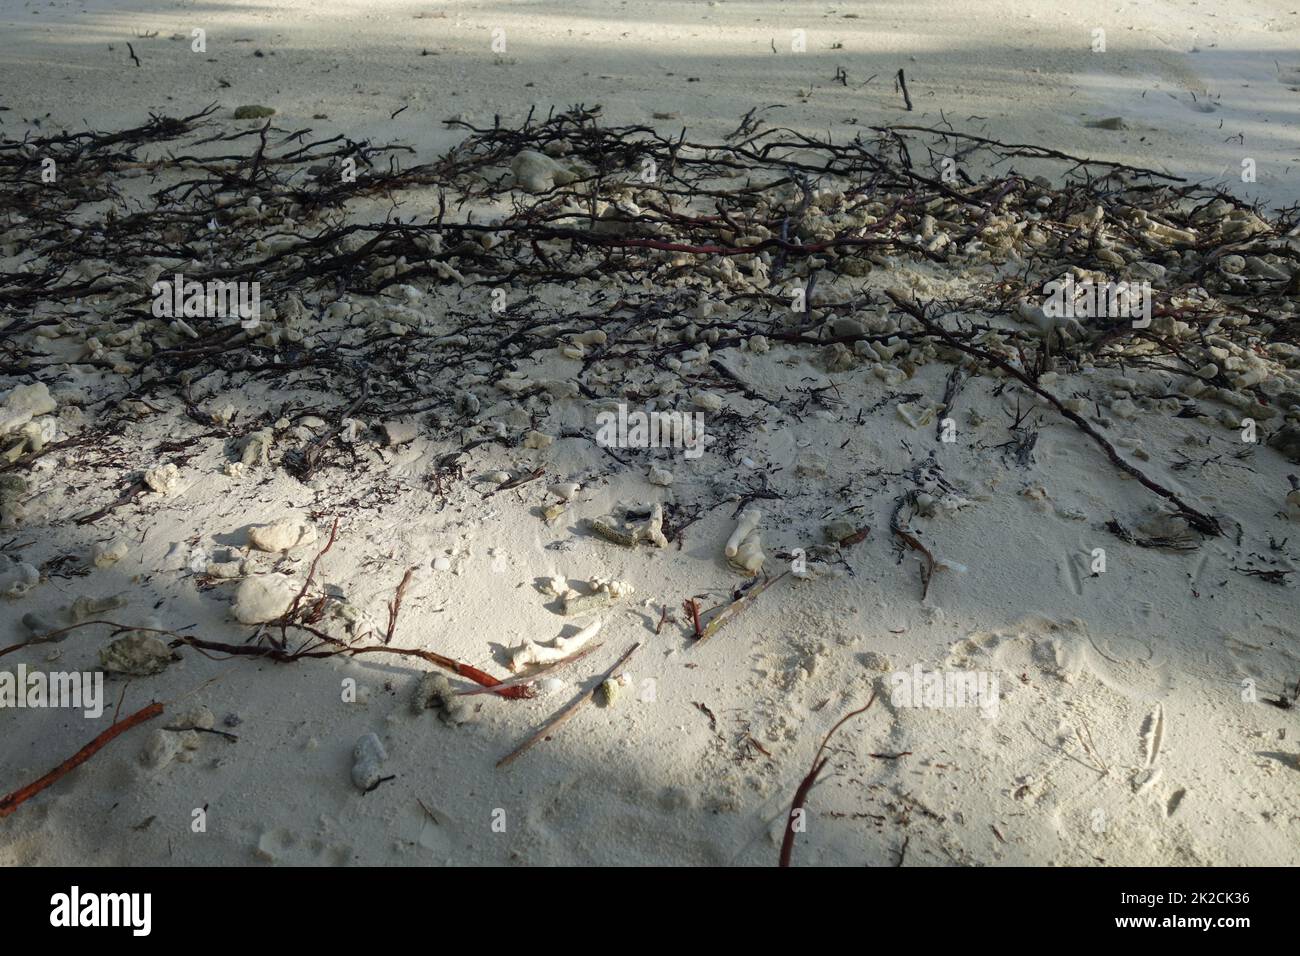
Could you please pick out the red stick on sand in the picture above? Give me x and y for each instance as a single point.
(11, 803)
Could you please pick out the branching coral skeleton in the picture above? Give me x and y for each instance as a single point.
(531, 652)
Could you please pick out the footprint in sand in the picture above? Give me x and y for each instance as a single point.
(1082, 730)
(1130, 664)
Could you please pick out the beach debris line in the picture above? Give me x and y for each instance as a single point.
(813, 212)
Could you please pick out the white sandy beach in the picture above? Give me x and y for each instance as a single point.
(1125, 730)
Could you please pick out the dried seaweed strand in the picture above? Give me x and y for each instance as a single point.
(806, 785)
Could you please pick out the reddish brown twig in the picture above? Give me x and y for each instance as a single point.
(290, 614)
(58, 633)
(11, 803)
(468, 671)
(135, 490)
(315, 650)
(801, 795)
(395, 605)
(692, 609)
(927, 564)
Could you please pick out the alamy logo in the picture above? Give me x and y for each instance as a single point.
(1067, 299)
(624, 429)
(103, 909)
(83, 690)
(180, 298)
(940, 689)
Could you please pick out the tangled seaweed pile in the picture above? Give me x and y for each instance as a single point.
(416, 293)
